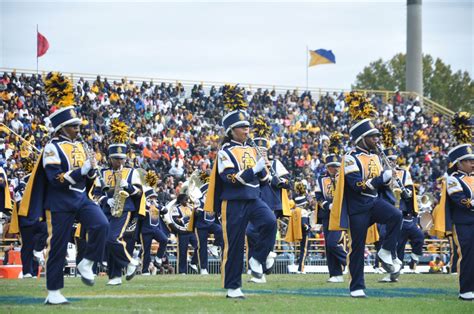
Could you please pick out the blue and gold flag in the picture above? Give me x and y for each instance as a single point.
(321, 56)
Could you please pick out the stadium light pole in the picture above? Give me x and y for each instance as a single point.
(414, 58)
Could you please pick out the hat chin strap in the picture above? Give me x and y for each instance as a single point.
(233, 137)
(63, 133)
(362, 144)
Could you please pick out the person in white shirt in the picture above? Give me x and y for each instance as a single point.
(17, 125)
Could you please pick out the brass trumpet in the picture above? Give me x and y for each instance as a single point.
(261, 154)
(90, 155)
(405, 193)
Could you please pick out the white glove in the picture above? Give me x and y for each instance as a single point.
(124, 183)
(259, 166)
(86, 167)
(111, 202)
(387, 175)
(330, 206)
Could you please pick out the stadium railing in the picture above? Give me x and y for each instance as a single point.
(316, 255)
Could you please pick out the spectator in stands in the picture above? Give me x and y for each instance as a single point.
(436, 266)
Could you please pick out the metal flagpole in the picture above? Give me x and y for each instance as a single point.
(307, 65)
(37, 49)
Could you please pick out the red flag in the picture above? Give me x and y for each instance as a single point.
(42, 45)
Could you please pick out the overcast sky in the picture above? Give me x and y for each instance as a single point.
(246, 42)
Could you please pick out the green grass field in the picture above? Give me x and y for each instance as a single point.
(282, 293)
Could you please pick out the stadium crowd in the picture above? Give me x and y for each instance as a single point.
(175, 131)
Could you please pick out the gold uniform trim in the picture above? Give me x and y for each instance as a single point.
(226, 240)
(120, 237)
(49, 225)
(199, 248)
(456, 240)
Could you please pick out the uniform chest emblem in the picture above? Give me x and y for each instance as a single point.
(247, 161)
(77, 157)
(372, 169)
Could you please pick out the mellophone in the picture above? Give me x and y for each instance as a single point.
(406, 193)
(273, 173)
(91, 157)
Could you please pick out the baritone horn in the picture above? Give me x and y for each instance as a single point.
(425, 204)
(261, 154)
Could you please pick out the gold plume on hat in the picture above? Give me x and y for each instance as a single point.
(204, 176)
(261, 128)
(59, 90)
(27, 164)
(462, 125)
(359, 106)
(119, 131)
(234, 98)
(335, 143)
(151, 178)
(401, 161)
(300, 188)
(388, 134)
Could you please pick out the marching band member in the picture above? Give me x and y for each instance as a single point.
(301, 202)
(57, 190)
(150, 225)
(234, 193)
(408, 205)
(120, 202)
(357, 202)
(274, 194)
(335, 253)
(205, 224)
(6, 204)
(455, 213)
(275, 190)
(183, 214)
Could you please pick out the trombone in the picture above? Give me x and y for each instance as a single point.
(6, 129)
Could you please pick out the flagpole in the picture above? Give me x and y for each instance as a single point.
(306, 54)
(37, 49)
